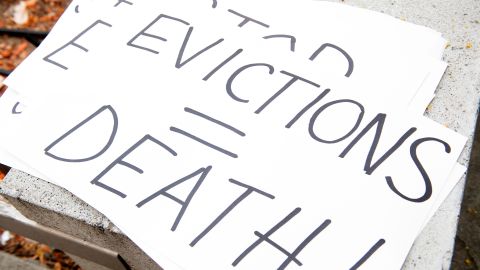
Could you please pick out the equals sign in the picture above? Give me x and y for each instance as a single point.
(204, 142)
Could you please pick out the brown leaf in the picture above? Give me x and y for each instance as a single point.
(20, 48)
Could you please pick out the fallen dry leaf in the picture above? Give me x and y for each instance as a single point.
(28, 249)
(20, 48)
(31, 4)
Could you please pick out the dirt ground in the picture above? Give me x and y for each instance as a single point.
(467, 243)
(24, 248)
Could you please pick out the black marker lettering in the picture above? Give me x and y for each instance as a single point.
(105, 148)
(124, 2)
(179, 62)
(294, 79)
(247, 19)
(222, 64)
(73, 43)
(214, 4)
(379, 121)
(203, 172)
(306, 108)
(293, 40)
(343, 52)
(77, 9)
(426, 178)
(290, 256)
(120, 161)
(144, 32)
(321, 109)
(229, 209)
(240, 70)
(368, 254)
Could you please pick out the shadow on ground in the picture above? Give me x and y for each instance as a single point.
(467, 243)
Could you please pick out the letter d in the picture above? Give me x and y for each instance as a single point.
(88, 119)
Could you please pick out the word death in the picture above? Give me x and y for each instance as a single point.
(263, 237)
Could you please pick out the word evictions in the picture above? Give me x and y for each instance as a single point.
(375, 125)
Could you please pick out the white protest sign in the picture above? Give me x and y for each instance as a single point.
(235, 175)
(266, 158)
(82, 7)
(211, 188)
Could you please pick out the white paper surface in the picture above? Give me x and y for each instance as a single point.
(231, 127)
(268, 167)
